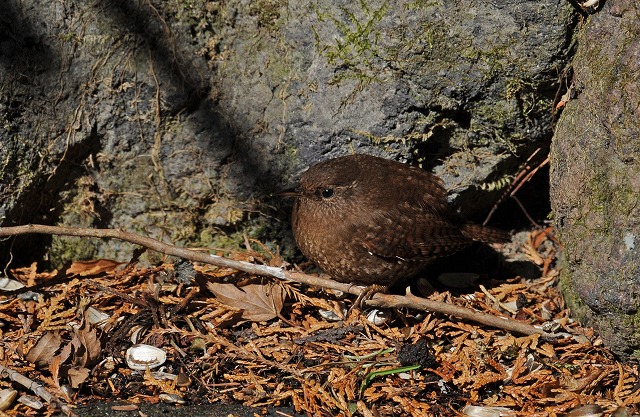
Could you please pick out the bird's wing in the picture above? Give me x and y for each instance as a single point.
(409, 234)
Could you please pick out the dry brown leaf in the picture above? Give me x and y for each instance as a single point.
(258, 302)
(87, 347)
(86, 268)
(77, 375)
(42, 353)
(65, 353)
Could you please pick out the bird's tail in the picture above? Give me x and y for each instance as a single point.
(485, 234)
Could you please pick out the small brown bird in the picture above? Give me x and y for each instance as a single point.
(372, 221)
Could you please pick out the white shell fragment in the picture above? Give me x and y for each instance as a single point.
(8, 284)
(378, 317)
(7, 397)
(164, 376)
(482, 411)
(590, 3)
(329, 315)
(141, 357)
(172, 398)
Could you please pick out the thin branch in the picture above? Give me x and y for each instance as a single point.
(528, 176)
(525, 212)
(525, 174)
(411, 301)
(378, 300)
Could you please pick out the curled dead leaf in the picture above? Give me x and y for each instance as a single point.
(257, 302)
(87, 268)
(77, 375)
(44, 350)
(87, 347)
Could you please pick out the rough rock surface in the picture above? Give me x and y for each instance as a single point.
(595, 178)
(176, 119)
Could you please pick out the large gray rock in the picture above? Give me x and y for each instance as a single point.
(176, 119)
(595, 178)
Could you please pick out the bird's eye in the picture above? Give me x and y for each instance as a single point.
(327, 193)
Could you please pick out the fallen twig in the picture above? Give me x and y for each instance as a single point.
(37, 389)
(378, 300)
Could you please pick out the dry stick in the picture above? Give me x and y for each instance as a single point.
(378, 300)
(418, 303)
(37, 389)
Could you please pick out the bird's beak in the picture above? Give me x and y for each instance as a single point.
(289, 192)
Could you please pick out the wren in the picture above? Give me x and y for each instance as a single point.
(372, 221)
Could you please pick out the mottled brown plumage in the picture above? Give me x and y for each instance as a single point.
(373, 221)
